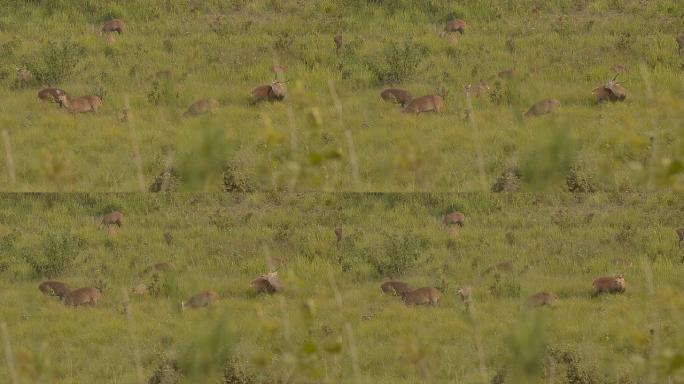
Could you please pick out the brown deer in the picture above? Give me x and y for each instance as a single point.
(425, 295)
(268, 283)
(396, 95)
(427, 103)
(200, 300)
(613, 284)
(140, 289)
(611, 91)
(465, 293)
(200, 107)
(541, 299)
(680, 42)
(114, 217)
(270, 92)
(396, 288)
(82, 296)
(455, 217)
(114, 25)
(51, 94)
(54, 288)
(82, 104)
(455, 25)
(543, 107)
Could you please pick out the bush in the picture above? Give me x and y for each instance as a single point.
(56, 254)
(400, 254)
(397, 62)
(57, 62)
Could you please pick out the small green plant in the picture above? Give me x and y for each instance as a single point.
(57, 62)
(401, 252)
(397, 62)
(56, 254)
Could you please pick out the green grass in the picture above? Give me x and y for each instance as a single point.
(222, 49)
(559, 243)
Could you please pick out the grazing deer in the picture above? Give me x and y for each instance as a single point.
(200, 107)
(455, 25)
(396, 288)
(114, 217)
(541, 299)
(51, 94)
(396, 95)
(82, 296)
(543, 107)
(54, 288)
(455, 217)
(615, 284)
(200, 300)
(338, 43)
(268, 283)
(114, 25)
(82, 104)
(427, 103)
(270, 92)
(425, 295)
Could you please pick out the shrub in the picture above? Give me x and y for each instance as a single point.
(397, 62)
(57, 62)
(56, 254)
(235, 179)
(400, 254)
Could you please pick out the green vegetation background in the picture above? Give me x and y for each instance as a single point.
(222, 49)
(221, 242)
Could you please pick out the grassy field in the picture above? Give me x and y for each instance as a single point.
(332, 316)
(332, 132)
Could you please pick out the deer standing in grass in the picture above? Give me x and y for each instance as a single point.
(82, 104)
(82, 296)
(425, 295)
(611, 284)
(427, 103)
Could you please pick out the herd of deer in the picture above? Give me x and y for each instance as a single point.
(269, 283)
(275, 91)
